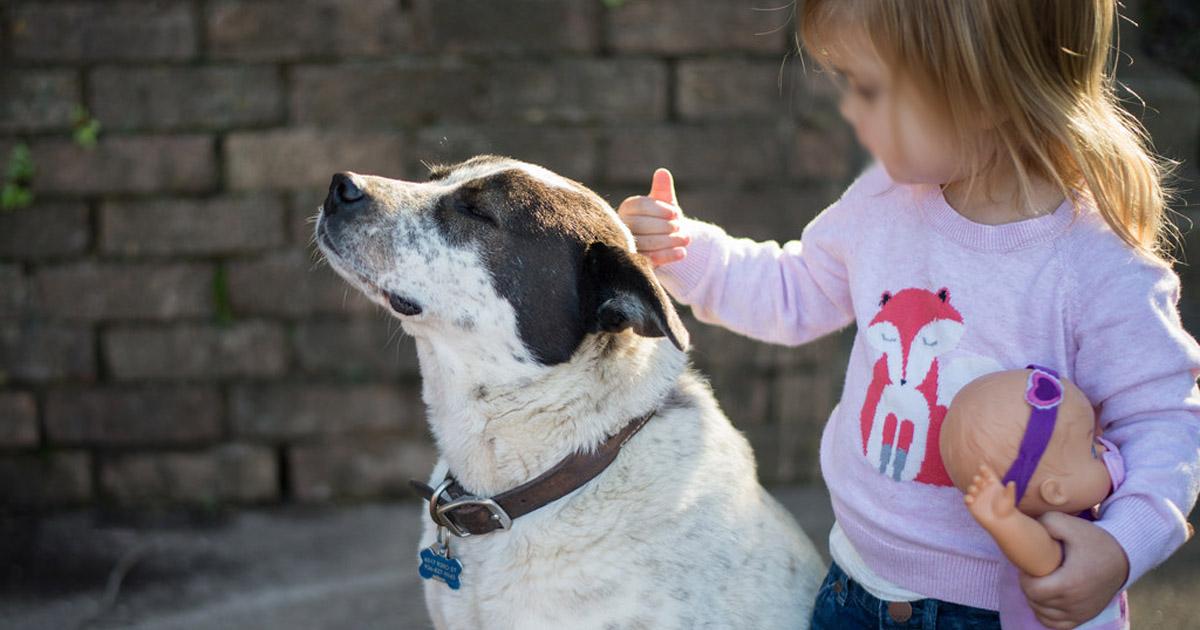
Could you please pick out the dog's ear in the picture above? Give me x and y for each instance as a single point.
(619, 291)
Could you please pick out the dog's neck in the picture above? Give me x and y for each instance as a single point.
(500, 425)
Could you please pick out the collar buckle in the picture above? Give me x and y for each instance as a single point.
(441, 514)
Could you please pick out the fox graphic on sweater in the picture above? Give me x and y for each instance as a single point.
(906, 402)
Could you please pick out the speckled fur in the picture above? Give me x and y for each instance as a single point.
(676, 533)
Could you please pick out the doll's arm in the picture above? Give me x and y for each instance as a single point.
(1023, 539)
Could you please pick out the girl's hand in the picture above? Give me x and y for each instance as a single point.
(654, 221)
(1094, 568)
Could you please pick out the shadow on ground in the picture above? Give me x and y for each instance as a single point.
(297, 567)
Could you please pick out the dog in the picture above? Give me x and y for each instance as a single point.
(541, 334)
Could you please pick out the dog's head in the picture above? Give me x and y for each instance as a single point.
(523, 260)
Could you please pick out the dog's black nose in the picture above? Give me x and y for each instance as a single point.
(343, 193)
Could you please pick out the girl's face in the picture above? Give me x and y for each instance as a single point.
(890, 119)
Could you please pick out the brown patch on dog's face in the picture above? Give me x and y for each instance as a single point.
(548, 246)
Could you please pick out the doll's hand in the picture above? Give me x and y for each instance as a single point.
(987, 500)
(1093, 570)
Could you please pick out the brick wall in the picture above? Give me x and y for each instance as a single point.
(166, 334)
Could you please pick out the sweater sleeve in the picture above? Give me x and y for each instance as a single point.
(788, 294)
(1135, 360)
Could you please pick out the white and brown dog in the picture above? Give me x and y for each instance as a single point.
(541, 334)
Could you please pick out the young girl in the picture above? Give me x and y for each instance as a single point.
(1014, 216)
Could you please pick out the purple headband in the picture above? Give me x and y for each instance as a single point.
(1044, 393)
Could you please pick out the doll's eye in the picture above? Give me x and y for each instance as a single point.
(887, 338)
(929, 343)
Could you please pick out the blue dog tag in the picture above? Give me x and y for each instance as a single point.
(434, 565)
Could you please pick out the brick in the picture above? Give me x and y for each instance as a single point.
(775, 213)
(311, 29)
(513, 26)
(802, 406)
(729, 89)
(355, 94)
(214, 226)
(358, 468)
(44, 230)
(822, 155)
(243, 349)
(124, 416)
(18, 419)
(37, 100)
(126, 164)
(308, 158)
(92, 31)
(13, 291)
(672, 27)
(209, 97)
(234, 472)
(724, 154)
(130, 290)
(356, 349)
(291, 284)
(578, 91)
(302, 213)
(290, 411)
(744, 394)
(39, 481)
(35, 350)
(1166, 104)
(571, 152)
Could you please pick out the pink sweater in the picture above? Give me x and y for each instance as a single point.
(940, 300)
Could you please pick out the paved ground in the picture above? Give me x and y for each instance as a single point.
(298, 568)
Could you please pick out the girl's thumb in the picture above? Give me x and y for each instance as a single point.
(663, 188)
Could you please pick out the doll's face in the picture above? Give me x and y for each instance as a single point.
(1071, 476)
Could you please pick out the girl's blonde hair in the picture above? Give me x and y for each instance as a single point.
(1045, 70)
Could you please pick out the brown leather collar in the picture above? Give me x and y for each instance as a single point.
(467, 515)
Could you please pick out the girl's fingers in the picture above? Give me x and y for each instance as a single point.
(641, 205)
(661, 257)
(658, 241)
(641, 225)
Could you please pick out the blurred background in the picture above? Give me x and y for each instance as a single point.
(201, 425)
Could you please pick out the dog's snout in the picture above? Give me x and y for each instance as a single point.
(343, 193)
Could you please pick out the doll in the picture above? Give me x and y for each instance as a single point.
(1039, 431)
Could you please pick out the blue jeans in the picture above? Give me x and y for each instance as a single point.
(843, 603)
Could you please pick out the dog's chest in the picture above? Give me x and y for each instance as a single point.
(518, 578)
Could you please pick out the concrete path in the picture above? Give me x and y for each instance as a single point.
(302, 567)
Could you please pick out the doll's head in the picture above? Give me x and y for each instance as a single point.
(992, 421)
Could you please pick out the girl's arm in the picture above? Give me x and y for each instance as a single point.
(1137, 362)
(789, 294)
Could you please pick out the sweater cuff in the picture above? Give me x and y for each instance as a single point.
(682, 277)
(1146, 534)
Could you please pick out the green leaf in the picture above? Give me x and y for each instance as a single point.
(223, 306)
(20, 164)
(13, 196)
(87, 129)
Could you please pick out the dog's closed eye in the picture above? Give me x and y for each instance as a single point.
(473, 211)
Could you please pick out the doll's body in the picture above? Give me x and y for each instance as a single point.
(1039, 432)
